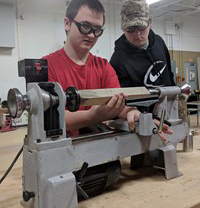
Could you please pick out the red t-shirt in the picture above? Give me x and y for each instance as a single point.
(97, 73)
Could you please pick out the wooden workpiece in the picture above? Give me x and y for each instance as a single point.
(102, 96)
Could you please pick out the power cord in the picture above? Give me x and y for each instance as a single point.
(12, 164)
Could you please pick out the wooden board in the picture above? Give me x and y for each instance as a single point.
(102, 96)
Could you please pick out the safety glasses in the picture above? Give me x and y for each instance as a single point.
(132, 29)
(87, 29)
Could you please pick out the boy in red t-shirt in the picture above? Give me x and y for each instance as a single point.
(74, 65)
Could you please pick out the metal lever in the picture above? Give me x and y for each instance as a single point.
(162, 119)
(165, 121)
(83, 171)
(79, 179)
(81, 191)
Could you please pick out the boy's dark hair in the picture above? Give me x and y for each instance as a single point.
(74, 6)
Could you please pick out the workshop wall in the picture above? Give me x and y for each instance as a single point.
(39, 31)
(184, 43)
(182, 56)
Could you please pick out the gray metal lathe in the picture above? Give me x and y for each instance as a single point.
(56, 168)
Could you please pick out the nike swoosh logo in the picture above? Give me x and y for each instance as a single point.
(153, 78)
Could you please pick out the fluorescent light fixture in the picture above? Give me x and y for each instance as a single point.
(152, 1)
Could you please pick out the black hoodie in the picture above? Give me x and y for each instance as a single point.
(142, 67)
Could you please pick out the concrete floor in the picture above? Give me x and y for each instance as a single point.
(144, 188)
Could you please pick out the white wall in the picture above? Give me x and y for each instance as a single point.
(186, 38)
(39, 32)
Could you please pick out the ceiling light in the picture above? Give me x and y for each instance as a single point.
(152, 1)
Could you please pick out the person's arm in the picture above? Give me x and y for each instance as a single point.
(96, 114)
(115, 107)
(130, 114)
(78, 119)
(133, 115)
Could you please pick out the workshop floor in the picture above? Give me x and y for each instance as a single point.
(145, 188)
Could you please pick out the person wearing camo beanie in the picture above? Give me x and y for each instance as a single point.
(141, 57)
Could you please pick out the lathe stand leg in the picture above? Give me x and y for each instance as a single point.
(164, 158)
(170, 162)
(148, 159)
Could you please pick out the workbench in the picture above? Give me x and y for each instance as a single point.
(143, 188)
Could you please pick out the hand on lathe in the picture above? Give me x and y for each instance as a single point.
(110, 110)
(132, 116)
(165, 129)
